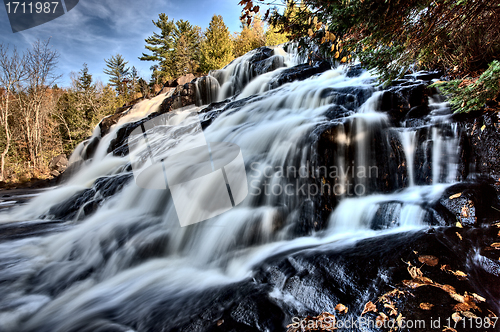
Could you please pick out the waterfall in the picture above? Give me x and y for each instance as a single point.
(408, 141)
(130, 253)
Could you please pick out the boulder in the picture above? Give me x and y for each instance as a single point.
(58, 164)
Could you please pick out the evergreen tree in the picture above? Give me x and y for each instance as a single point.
(163, 47)
(118, 72)
(134, 80)
(84, 82)
(217, 48)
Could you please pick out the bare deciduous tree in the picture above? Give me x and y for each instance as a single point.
(12, 73)
(41, 63)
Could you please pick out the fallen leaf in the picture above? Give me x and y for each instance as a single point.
(496, 245)
(478, 298)
(393, 309)
(466, 305)
(369, 306)
(220, 322)
(459, 274)
(395, 292)
(449, 329)
(449, 289)
(483, 127)
(399, 319)
(459, 236)
(412, 283)
(455, 196)
(459, 225)
(426, 306)
(457, 297)
(414, 272)
(342, 309)
(456, 317)
(381, 318)
(469, 314)
(429, 260)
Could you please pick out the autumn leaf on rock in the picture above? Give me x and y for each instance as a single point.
(429, 260)
(426, 306)
(495, 245)
(342, 309)
(455, 196)
(369, 306)
(469, 314)
(449, 329)
(478, 298)
(393, 309)
(456, 317)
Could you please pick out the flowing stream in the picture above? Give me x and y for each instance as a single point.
(131, 254)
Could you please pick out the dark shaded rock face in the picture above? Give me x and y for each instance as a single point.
(299, 73)
(90, 199)
(480, 141)
(180, 81)
(406, 101)
(316, 279)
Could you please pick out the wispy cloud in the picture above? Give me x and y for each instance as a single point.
(96, 29)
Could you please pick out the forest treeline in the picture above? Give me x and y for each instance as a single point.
(40, 120)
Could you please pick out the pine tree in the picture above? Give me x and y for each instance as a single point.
(84, 82)
(164, 46)
(118, 72)
(217, 48)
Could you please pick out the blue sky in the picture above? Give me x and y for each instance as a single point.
(97, 29)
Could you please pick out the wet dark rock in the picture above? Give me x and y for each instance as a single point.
(480, 144)
(418, 112)
(207, 90)
(471, 204)
(90, 148)
(106, 123)
(350, 98)
(425, 75)
(89, 200)
(315, 279)
(299, 73)
(355, 70)
(408, 96)
(267, 65)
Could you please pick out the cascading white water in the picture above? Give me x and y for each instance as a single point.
(103, 262)
(408, 141)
